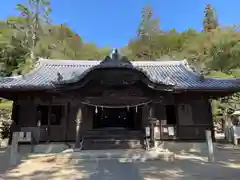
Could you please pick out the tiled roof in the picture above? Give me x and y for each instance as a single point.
(176, 73)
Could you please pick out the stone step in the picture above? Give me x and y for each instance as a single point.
(118, 134)
(96, 144)
(113, 140)
(76, 157)
(113, 136)
(112, 131)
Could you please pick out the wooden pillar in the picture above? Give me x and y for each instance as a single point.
(15, 113)
(66, 114)
(145, 116)
(37, 139)
(15, 124)
(211, 120)
(136, 124)
(151, 123)
(49, 122)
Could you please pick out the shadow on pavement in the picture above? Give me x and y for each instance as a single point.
(226, 166)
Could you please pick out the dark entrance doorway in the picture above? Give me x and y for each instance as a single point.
(116, 117)
(171, 115)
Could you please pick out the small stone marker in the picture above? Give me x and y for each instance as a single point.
(236, 135)
(147, 131)
(25, 137)
(210, 145)
(14, 149)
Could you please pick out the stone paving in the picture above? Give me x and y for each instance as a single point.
(181, 167)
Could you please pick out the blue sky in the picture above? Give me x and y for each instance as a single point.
(114, 23)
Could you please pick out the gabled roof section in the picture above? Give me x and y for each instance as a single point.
(117, 62)
(49, 73)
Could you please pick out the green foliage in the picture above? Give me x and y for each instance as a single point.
(226, 105)
(214, 52)
(218, 74)
(6, 105)
(29, 26)
(149, 25)
(5, 119)
(12, 58)
(92, 52)
(5, 131)
(147, 33)
(210, 21)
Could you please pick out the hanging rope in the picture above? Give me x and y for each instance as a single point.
(116, 107)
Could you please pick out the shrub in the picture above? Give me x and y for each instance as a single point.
(5, 130)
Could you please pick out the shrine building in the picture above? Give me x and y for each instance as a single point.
(113, 103)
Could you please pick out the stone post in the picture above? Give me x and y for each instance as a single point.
(14, 149)
(209, 145)
(152, 125)
(152, 138)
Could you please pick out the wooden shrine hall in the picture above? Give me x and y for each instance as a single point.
(115, 101)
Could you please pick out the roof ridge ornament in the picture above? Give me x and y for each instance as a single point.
(115, 54)
(115, 59)
(59, 76)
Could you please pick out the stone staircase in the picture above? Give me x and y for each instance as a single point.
(113, 138)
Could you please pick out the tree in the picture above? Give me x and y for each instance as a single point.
(92, 52)
(12, 58)
(210, 21)
(148, 25)
(30, 25)
(12, 53)
(67, 41)
(143, 46)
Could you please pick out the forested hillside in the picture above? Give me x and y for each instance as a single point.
(215, 51)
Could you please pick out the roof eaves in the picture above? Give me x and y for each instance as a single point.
(26, 88)
(220, 89)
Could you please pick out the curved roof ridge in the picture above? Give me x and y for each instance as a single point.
(96, 62)
(177, 62)
(67, 62)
